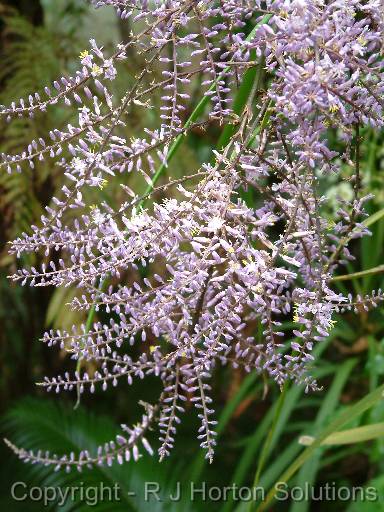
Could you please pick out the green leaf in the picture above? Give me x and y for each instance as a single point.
(376, 270)
(290, 403)
(350, 436)
(261, 432)
(307, 474)
(40, 424)
(373, 218)
(347, 415)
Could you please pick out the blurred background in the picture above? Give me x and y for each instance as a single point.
(39, 41)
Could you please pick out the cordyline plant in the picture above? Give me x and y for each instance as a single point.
(227, 264)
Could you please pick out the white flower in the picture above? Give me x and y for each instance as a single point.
(215, 224)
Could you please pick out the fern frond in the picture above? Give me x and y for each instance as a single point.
(33, 423)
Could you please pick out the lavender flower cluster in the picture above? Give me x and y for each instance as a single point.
(226, 267)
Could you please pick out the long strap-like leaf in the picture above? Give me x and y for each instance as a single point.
(346, 416)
